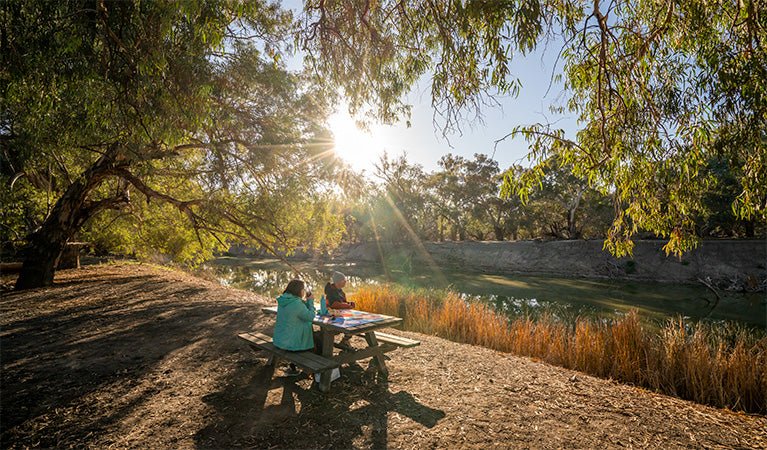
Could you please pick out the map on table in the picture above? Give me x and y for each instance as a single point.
(344, 318)
(348, 318)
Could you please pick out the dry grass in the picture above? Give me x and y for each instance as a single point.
(722, 365)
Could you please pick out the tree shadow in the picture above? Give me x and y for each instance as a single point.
(65, 343)
(82, 359)
(256, 410)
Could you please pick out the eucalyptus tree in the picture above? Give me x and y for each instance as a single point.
(150, 112)
(450, 186)
(490, 207)
(658, 87)
(718, 219)
(468, 192)
(564, 206)
(404, 210)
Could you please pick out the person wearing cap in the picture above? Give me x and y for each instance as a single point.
(334, 293)
(336, 299)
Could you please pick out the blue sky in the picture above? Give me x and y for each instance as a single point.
(423, 143)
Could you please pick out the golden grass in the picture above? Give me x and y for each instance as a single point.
(722, 366)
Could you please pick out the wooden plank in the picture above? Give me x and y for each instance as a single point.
(378, 324)
(306, 360)
(396, 340)
(348, 357)
(256, 338)
(327, 352)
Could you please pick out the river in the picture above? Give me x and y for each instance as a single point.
(513, 294)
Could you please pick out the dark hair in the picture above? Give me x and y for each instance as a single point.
(295, 287)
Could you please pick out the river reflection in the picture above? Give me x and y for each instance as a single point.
(513, 295)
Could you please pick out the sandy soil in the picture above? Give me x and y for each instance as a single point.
(136, 356)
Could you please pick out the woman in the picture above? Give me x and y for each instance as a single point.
(293, 330)
(334, 292)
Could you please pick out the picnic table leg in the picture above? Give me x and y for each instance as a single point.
(379, 357)
(327, 352)
(271, 360)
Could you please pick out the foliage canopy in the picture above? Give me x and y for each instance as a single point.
(161, 124)
(660, 87)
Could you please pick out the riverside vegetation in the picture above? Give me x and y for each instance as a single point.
(723, 365)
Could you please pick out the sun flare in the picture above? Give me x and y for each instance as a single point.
(359, 148)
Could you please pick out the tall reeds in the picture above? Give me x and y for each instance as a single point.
(720, 365)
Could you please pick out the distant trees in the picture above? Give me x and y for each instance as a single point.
(464, 189)
(462, 200)
(563, 206)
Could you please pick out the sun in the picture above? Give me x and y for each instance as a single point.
(359, 148)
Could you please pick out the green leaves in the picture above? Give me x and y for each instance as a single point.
(210, 140)
(659, 87)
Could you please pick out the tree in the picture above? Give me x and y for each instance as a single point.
(469, 196)
(450, 186)
(143, 110)
(718, 218)
(563, 206)
(403, 210)
(659, 86)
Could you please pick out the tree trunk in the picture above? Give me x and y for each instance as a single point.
(69, 213)
(750, 228)
(461, 230)
(42, 255)
(572, 226)
(498, 233)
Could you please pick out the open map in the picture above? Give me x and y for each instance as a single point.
(348, 318)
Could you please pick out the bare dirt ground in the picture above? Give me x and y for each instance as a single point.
(136, 356)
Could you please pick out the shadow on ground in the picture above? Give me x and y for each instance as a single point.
(67, 346)
(256, 410)
(148, 360)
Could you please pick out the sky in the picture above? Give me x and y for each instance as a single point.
(424, 144)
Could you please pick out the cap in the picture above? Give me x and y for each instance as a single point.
(338, 277)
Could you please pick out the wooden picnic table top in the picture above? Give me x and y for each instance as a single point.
(382, 321)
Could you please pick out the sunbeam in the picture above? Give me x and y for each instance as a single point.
(378, 242)
(441, 279)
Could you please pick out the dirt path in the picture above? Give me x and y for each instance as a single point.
(138, 356)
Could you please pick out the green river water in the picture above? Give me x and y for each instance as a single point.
(513, 294)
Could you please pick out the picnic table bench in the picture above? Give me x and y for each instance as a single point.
(399, 341)
(378, 343)
(307, 360)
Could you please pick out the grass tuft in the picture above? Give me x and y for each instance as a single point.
(723, 365)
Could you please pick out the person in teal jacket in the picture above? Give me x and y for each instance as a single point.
(293, 329)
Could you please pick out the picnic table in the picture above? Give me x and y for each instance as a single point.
(355, 322)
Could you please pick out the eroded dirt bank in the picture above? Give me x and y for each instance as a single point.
(728, 264)
(138, 356)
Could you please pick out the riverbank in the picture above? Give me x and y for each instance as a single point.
(726, 264)
(132, 355)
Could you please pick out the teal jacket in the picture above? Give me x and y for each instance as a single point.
(293, 330)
